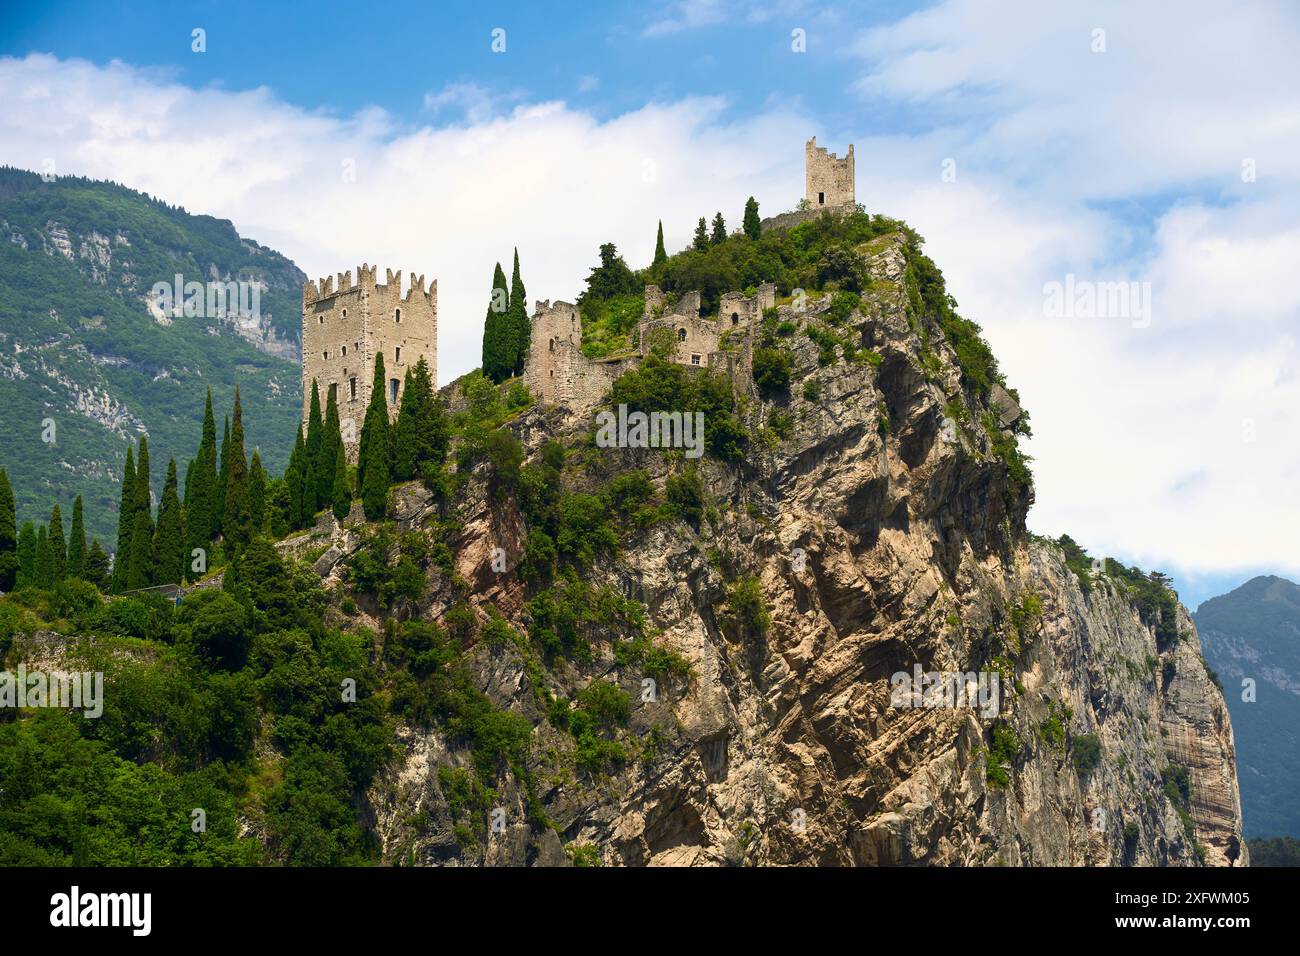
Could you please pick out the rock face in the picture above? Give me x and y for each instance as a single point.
(887, 535)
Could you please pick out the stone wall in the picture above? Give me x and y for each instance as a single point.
(829, 179)
(345, 326)
(557, 373)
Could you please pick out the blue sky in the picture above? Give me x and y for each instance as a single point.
(1029, 143)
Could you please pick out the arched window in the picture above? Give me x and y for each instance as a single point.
(681, 335)
(735, 318)
(397, 316)
(345, 350)
(552, 345)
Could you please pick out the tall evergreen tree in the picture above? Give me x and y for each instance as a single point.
(331, 441)
(97, 566)
(257, 494)
(169, 563)
(307, 491)
(8, 515)
(202, 513)
(77, 542)
(753, 226)
(519, 327)
(26, 552)
(8, 534)
(44, 559)
(376, 457)
(293, 480)
(421, 434)
(125, 520)
(340, 494)
(661, 254)
(58, 544)
(140, 572)
(315, 426)
(219, 490)
(700, 241)
(497, 358)
(719, 230)
(237, 514)
(143, 490)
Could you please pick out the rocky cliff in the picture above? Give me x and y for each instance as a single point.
(878, 538)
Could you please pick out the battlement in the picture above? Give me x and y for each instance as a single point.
(828, 179)
(314, 291)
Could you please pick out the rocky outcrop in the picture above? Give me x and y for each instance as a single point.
(887, 535)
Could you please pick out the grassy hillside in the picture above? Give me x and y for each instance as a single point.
(80, 349)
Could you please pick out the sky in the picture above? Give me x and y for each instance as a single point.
(1037, 147)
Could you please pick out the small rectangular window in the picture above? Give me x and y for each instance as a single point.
(695, 359)
(352, 389)
(397, 354)
(393, 386)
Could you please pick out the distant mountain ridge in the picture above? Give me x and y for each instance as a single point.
(84, 348)
(1253, 633)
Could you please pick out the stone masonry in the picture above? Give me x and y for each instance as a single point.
(828, 179)
(345, 327)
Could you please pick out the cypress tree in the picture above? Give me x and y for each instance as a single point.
(237, 514)
(331, 440)
(340, 494)
(8, 515)
(719, 230)
(58, 544)
(143, 492)
(125, 518)
(700, 242)
(376, 460)
(307, 491)
(8, 534)
(77, 542)
(219, 489)
(497, 360)
(420, 438)
(293, 480)
(203, 519)
(520, 330)
(44, 559)
(314, 439)
(97, 565)
(140, 573)
(753, 226)
(26, 551)
(169, 537)
(661, 255)
(257, 494)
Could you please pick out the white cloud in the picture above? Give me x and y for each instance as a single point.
(686, 15)
(1118, 165)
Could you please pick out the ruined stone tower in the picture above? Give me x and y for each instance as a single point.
(828, 179)
(344, 328)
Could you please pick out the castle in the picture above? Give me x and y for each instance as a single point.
(828, 180)
(344, 328)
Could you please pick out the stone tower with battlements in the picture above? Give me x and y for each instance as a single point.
(828, 180)
(345, 326)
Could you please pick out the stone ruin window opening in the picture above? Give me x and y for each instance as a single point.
(345, 350)
(326, 356)
(352, 389)
(735, 318)
(695, 358)
(821, 199)
(397, 316)
(552, 345)
(393, 386)
(345, 313)
(397, 354)
(334, 391)
(681, 335)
